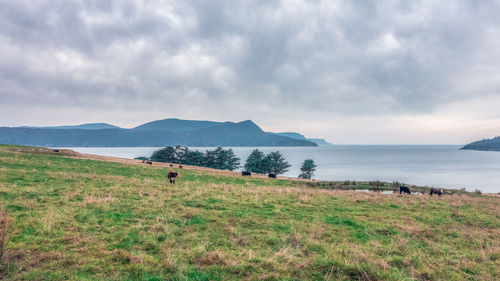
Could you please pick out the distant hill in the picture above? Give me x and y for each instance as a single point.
(178, 125)
(485, 145)
(89, 126)
(156, 133)
(292, 135)
(298, 136)
(319, 141)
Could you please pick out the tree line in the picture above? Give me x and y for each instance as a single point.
(218, 158)
(225, 159)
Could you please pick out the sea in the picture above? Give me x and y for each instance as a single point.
(443, 166)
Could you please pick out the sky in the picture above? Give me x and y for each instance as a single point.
(352, 72)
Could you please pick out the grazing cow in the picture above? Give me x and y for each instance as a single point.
(180, 166)
(271, 176)
(404, 189)
(56, 150)
(172, 176)
(437, 191)
(245, 173)
(171, 165)
(149, 162)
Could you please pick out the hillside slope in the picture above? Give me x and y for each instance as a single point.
(75, 219)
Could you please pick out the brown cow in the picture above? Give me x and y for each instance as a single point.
(172, 176)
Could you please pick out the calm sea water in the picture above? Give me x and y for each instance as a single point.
(433, 165)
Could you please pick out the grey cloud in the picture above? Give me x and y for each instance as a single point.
(248, 59)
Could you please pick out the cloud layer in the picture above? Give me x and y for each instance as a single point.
(351, 71)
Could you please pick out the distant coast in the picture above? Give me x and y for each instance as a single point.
(492, 144)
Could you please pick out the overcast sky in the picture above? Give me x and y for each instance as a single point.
(348, 71)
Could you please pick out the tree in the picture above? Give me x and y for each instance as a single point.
(231, 162)
(307, 169)
(218, 159)
(221, 159)
(181, 153)
(255, 162)
(275, 163)
(194, 158)
(166, 154)
(210, 159)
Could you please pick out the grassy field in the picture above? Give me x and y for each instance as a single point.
(74, 219)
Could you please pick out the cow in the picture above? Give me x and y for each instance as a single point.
(172, 176)
(245, 173)
(56, 150)
(437, 191)
(147, 162)
(404, 189)
(180, 167)
(271, 176)
(171, 165)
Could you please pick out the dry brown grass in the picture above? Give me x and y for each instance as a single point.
(97, 199)
(49, 219)
(213, 258)
(4, 225)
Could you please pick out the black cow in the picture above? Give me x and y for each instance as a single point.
(404, 189)
(149, 162)
(180, 166)
(271, 176)
(245, 173)
(437, 191)
(171, 165)
(172, 176)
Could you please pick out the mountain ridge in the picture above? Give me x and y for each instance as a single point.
(156, 133)
(174, 124)
(85, 126)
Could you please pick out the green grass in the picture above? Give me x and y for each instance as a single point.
(73, 219)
